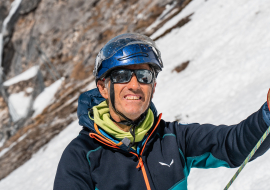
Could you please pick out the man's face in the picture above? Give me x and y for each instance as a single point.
(132, 98)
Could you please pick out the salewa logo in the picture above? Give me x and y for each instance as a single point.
(164, 164)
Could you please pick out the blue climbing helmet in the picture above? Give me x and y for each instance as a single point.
(127, 49)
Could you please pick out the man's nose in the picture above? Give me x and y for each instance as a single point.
(133, 83)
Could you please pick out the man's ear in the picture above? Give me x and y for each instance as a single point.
(102, 89)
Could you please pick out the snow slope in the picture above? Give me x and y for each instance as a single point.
(227, 79)
(39, 172)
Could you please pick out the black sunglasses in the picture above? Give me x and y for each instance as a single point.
(124, 75)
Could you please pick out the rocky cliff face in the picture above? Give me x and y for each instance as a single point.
(70, 33)
(63, 38)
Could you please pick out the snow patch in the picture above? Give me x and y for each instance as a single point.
(26, 75)
(29, 89)
(20, 102)
(45, 98)
(140, 16)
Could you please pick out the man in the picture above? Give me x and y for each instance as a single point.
(125, 145)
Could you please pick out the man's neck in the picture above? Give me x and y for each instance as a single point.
(122, 127)
(116, 118)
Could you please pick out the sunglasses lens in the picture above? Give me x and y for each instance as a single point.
(144, 76)
(124, 75)
(120, 76)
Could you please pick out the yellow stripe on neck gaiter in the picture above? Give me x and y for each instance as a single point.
(102, 119)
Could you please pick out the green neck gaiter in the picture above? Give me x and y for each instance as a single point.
(102, 119)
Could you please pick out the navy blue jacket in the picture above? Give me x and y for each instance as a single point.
(163, 159)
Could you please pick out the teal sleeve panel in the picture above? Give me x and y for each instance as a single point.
(181, 185)
(207, 160)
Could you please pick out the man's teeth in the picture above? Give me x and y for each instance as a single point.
(132, 97)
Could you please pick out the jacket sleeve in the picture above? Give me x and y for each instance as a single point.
(73, 172)
(209, 146)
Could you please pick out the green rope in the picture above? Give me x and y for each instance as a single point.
(248, 158)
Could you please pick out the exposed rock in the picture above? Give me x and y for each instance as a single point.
(7, 46)
(7, 33)
(8, 53)
(76, 35)
(28, 6)
(4, 117)
(3, 14)
(181, 67)
(4, 9)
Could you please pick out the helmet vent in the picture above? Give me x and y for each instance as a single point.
(133, 55)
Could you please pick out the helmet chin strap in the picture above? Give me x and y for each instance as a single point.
(128, 121)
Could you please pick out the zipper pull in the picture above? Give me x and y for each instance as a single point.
(140, 164)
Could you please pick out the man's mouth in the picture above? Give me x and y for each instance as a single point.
(132, 97)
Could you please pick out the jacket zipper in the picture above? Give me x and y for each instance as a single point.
(109, 143)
